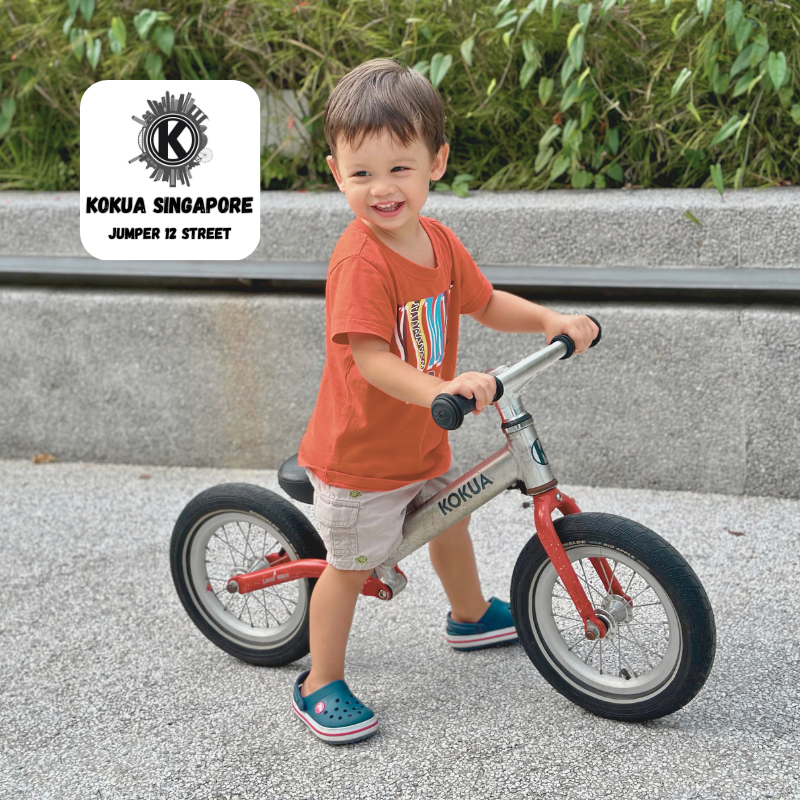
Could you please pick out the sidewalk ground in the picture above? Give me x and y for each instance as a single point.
(109, 690)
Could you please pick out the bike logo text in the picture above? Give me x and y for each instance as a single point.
(537, 453)
(454, 499)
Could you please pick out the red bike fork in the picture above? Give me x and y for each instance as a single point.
(543, 507)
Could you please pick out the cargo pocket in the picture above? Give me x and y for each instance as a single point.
(339, 517)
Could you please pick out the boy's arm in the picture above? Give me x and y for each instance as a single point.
(512, 314)
(391, 374)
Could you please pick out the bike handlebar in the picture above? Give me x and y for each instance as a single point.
(562, 337)
(449, 410)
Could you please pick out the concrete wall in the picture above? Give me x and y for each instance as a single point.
(614, 228)
(674, 397)
(677, 396)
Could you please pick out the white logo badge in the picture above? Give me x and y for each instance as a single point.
(174, 199)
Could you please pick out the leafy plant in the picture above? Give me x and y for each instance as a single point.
(537, 94)
(459, 186)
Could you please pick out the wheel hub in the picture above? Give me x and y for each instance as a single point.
(608, 621)
(617, 607)
(615, 610)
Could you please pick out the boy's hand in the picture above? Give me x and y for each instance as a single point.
(580, 329)
(479, 385)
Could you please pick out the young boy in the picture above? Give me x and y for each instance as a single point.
(397, 284)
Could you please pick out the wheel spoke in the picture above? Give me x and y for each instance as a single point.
(272, 612)
(230, 546)
(644, 650)
(646, 587)
(227, 540)
(591, 650)
(650, 645)
(275, 543)
(252, 549)
(628, 663)
(581, 638)
(229, 600)
(634, 621)
(586, 580)
(609, 591)
(559, 585)
(281, 599)
(263, 605)
(247, 609)
(633, 575)
(273, 616)
(246, 537)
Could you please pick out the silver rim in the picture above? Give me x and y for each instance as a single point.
(640, 654)
(231, 543)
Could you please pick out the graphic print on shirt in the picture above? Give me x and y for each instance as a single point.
(421, 332)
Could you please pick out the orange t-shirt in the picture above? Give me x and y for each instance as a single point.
(358, 436)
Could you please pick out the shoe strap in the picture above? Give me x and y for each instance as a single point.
(334, 687)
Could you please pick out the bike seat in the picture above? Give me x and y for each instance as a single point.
(293, 480)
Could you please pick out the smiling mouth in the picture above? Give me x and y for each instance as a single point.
(388, 206)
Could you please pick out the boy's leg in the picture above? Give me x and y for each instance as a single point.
(331, 611)
(453, 558)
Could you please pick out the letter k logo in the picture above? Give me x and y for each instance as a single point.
(166, 139)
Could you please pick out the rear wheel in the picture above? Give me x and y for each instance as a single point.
(660, 646)
(229, 530)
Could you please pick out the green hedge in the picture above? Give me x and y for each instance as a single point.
(552, 93)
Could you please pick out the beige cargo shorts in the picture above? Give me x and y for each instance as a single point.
(361, 529)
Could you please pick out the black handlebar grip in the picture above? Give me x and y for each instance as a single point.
(448, 410)
(570, 345)
(599, 331)
(562, 337)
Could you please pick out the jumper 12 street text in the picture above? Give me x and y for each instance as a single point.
(169, 233)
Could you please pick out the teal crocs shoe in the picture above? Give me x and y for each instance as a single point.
(334, 713)
(496, 626)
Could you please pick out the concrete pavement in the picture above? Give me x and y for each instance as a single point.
(109, 691)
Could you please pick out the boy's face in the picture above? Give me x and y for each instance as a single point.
(381, 171)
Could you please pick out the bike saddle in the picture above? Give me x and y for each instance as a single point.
(293, 480)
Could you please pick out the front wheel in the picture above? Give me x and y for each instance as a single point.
(660, 646)
(229, 530)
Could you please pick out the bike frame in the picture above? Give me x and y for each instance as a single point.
(521, 461)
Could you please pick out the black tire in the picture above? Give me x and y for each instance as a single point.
(225, 510)
(671, 682)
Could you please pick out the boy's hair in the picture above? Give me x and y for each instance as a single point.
(382, 94)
